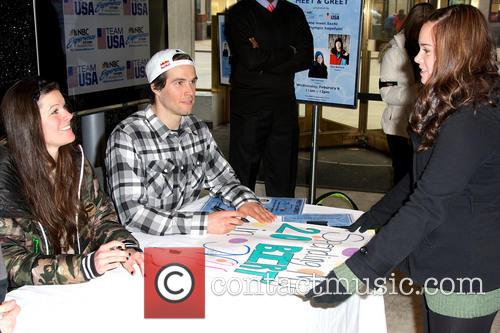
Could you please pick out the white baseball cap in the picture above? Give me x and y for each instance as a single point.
(163, 61)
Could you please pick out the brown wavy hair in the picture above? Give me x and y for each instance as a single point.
(50, 187)
(411, 28)
(465, 71)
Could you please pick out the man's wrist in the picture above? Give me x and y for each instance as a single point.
(245, 201)
(199, 224)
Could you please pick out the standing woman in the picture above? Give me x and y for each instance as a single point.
(56, 225)
(445, 219)
(399, 79)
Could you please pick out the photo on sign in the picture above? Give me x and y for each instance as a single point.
(339, 49)
(224, 53)
(318, 68)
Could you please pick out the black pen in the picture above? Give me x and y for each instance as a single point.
(219, 209)
(325, 223)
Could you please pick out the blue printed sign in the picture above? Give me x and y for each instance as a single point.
(277, 206)
(333, 74)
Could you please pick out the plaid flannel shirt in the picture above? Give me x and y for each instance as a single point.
(153, 171)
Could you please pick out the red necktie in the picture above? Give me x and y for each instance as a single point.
(270, 7)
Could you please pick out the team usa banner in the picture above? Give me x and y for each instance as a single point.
(107, 44)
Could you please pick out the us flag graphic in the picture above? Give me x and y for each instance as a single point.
(72, 76)
(127, 7)
(101, 38)
(68, 7)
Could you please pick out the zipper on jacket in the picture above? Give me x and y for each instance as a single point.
(79, 195)
(44, 238)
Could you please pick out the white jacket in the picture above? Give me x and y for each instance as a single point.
(396, 66)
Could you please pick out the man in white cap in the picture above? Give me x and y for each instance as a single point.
(160, 158)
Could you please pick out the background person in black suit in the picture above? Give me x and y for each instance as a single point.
(268, 46)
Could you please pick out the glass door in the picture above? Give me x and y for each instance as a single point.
(361, 126)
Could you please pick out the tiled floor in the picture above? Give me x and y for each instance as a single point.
(403, 313)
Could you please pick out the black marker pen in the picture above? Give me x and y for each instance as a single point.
(217, 208)
(325, 223)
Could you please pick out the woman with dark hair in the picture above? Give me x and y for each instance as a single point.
(318, 68)
(339, 56)
(56, 225)
(444, 217)
(399, 79)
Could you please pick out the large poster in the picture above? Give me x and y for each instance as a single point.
(270, 252)
(332, 76)
(280, 253)
(107, 44)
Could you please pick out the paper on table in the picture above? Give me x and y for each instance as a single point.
(330, 220)
(277, 206)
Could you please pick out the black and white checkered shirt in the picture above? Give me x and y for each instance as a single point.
(153, 171)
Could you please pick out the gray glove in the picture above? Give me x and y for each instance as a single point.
(330, 291)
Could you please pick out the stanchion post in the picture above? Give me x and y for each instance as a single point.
(314, 152)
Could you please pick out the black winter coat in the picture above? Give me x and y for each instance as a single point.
(445, 218)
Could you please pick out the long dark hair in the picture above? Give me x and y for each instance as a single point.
(465, 71)
(334, 48)
(50, 187)
(411, 28)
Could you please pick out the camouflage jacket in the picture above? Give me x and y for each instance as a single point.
(29, 256)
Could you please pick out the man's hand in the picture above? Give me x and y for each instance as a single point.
(224, 221)
(257, 211)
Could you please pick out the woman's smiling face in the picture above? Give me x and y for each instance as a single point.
(56, 121)
(426, 57)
